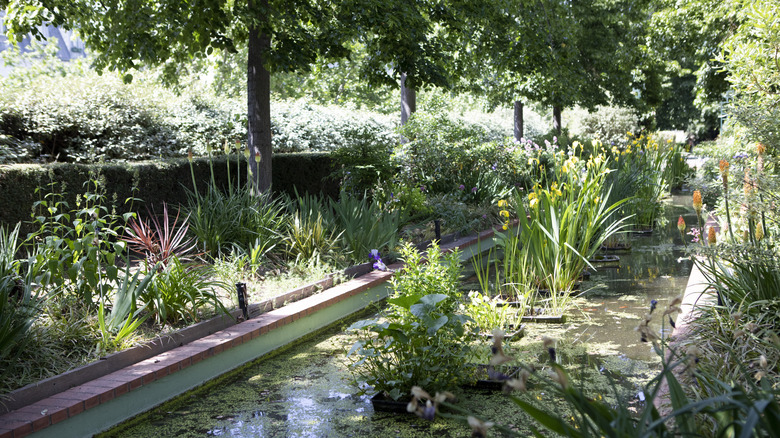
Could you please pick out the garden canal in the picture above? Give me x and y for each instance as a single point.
(307, 390)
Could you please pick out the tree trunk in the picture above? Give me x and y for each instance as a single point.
(258, 86)
(408, 100)
(518, 120)
(557, 120)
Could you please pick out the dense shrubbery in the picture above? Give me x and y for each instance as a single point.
(609, 124)
(299, 126)
(88, 118)
(155, 181)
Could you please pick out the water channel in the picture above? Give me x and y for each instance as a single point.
(307, 389)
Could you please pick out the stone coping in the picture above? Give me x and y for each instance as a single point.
(116, 361)
(697, 295)
(72, 401)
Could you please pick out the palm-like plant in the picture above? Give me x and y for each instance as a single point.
(180, 290)
(157, 241)
(365, 226)
(15, 300)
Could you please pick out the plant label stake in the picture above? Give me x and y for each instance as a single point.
(242, 299)
(437, 229)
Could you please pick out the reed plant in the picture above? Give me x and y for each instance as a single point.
(311, 232)
(512, 276)
(563, 223)
(364, 226)
(236, 216)
(644, 169)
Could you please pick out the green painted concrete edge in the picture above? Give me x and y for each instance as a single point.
(109, 414)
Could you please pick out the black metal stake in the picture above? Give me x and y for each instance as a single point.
(242, 299)
(437, 229)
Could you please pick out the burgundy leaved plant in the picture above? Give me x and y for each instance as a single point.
(157, 241)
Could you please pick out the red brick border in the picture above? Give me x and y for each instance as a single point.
(59, 407)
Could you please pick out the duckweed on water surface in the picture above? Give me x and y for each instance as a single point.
(307, 391)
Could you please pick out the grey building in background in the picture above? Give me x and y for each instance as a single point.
(69, 46)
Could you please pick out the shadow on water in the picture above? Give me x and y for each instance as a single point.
(308, 391)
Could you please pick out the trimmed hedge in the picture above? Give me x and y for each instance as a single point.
(156, 181)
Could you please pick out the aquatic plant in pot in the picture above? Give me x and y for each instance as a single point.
(511, 266)
(490, 313)
(420, 339)
(562, 224)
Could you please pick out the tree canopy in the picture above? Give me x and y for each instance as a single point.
(130, 34)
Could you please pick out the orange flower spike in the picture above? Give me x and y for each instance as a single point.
(711, 237)
(760, 148)
(697, 201)
(681, 224)
(723, 166)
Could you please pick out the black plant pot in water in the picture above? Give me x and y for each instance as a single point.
(644, 232)
(493, 378)
(606, 261)
(548, 319)
(383, 403)
(512, 333)
(617, 247)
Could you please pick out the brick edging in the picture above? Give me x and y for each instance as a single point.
(71, 402)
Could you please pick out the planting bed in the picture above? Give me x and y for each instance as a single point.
(65, 408)
(308, 391)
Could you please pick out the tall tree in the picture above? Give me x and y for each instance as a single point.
(563, 52)
(409, 42)
(687, 35)
(751, 56)
(282, 35)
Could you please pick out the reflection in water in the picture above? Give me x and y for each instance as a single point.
(617, 298)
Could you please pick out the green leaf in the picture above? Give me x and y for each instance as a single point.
(433, 299)
(362, 324)
(555, 424)
(355, 347)
(437, 324)
(404, 301)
